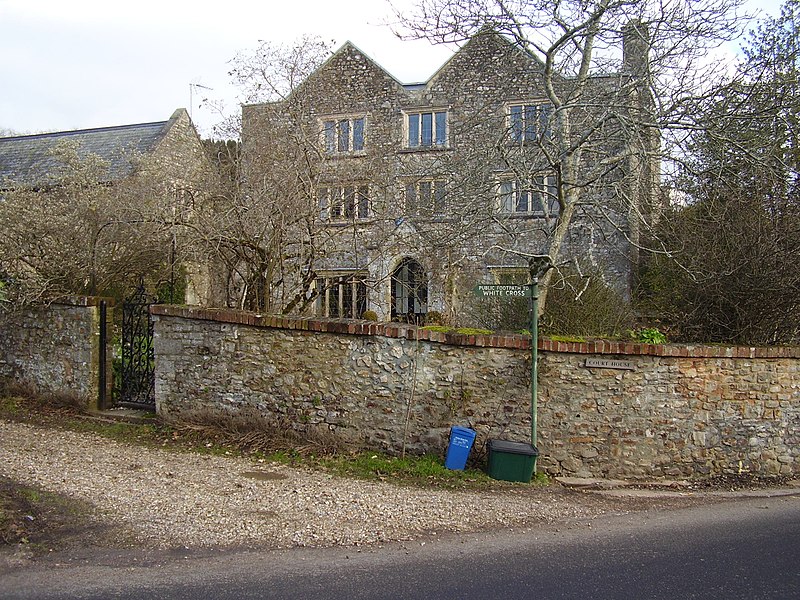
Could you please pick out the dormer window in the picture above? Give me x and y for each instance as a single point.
(426, 129)
(344, 135)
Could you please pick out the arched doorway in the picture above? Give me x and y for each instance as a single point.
(409, 292)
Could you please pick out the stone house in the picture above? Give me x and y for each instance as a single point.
(168, 158)
(411, 194)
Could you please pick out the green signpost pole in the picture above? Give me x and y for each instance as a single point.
(534, 354)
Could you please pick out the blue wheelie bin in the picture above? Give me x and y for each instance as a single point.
(461, 440)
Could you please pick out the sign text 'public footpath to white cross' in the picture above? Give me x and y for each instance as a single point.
(502, 291)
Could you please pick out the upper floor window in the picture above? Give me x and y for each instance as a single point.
(344, 136)
(426, 129)
(537, 196)
(340, 203)
(425, 197)
(529, 122)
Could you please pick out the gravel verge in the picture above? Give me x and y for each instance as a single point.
(166, 499)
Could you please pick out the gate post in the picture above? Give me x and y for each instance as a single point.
(102, 395)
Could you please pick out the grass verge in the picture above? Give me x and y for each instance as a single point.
(248, 434)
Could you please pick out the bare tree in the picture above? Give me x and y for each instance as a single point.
(615, 115)
(257, 224)
(737, 231)
(80, 234)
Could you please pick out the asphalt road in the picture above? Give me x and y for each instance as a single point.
(742, 549)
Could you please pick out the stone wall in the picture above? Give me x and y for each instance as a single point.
(698, 411)
(54, 349)
(605, 408)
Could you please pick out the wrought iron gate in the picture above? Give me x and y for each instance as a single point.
(137, 381)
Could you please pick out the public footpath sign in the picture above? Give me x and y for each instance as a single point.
(502, 291)
(509, 292)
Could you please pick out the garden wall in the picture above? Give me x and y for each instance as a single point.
(54, 349)
(605, 409)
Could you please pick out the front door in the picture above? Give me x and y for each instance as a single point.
(409, 292)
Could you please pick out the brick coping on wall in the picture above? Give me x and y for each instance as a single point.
(495, 340)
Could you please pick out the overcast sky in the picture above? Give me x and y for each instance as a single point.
(76, 64)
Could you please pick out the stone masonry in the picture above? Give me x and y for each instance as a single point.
(606, 409)
(53, 349)
(437, 202)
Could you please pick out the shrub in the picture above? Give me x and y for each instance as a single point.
(67, 400)
(434, 317)
(649, 335)
(598, 311)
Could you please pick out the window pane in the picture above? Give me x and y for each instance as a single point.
(545, 113)
(333, 298)
(413, 131)
(363, 202)
(427, 129)
(319, 287)
(401, 290)
(419, 288)
(349, 201)
(536, 197)
(322, 200)
(344, 135)
(330, 134)
(530, 123)
(523, 199)
(358, 134)
(347, 298)
(516, 123)
(552, 196)
(441, 128)
(336, 203)
(507, 196)
(361, 298)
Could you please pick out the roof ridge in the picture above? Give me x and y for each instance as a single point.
(82, 131)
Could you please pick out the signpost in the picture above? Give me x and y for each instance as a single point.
(538, 265)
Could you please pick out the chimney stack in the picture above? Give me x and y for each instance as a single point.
(635, 47)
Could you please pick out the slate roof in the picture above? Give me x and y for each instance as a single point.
(27, 160)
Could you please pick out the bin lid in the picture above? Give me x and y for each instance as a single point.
(513, 447)
(464, 431)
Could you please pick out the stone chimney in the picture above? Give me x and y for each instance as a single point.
(635, 47)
